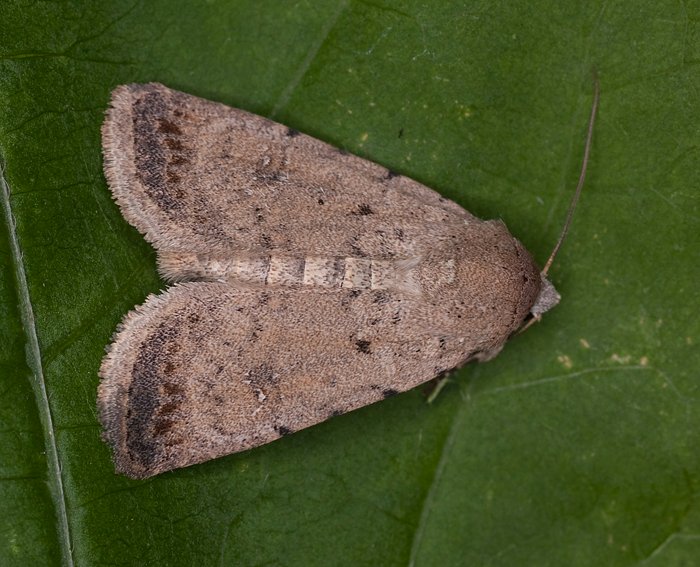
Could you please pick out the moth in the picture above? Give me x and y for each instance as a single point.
(307, 282)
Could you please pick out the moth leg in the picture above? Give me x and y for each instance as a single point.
(433, 388)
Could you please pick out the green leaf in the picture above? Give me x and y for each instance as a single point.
(578, 445)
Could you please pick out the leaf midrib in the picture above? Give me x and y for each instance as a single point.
(33, 354)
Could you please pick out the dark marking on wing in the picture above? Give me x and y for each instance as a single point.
(389, 392)
(254, 336)
(380, 297)
(145, 402)
(356, 250)
(159, 151)
(168, 127)
(266, 241)
(162, 426)
(174, 144)
(363, 209)
(338, 269)
(168, 408)
(261, 376)
(363, 346)
(283, 430)
(292, 133)
(149, 154)
(173, 389)
(269, 175)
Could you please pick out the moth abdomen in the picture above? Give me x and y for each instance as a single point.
(296, 271)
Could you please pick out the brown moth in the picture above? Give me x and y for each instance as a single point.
(310, 282)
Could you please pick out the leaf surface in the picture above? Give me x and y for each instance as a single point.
(578, 445)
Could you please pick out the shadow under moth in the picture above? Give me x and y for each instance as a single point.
(308, 282)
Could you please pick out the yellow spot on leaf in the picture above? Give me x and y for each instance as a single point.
(565, 361)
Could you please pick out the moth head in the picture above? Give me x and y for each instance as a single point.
(547, 298)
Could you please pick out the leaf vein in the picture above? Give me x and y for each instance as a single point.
(55, 479)
(308, 60)
(437, 476)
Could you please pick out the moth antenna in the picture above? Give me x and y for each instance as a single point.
(582, 176)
